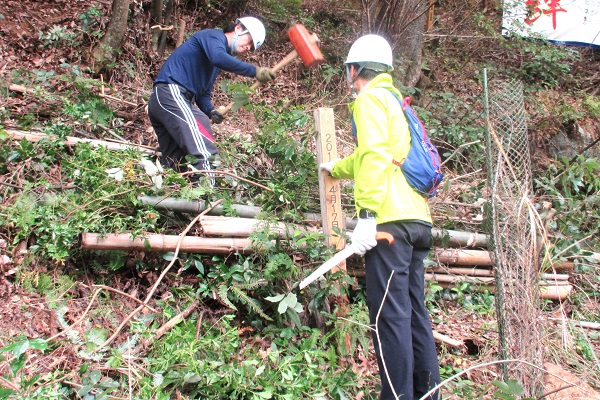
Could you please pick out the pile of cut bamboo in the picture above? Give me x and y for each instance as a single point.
(467, 260)
(455, 266)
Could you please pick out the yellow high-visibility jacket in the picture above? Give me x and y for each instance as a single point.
(382, 136)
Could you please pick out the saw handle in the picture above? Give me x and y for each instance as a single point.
(385, 236)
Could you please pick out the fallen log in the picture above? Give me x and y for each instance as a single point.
(164, 243)
(71, 141)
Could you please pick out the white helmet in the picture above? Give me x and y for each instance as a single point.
(372, 52)
(255, 28)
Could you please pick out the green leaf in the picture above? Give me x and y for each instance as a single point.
(115, 173)
(38, 344)
(18, 363)
(259, 370)
(94, 376)
(282, 307)
(85, 389)
(192, 378)
(515, 387)
(265, 394)
(17, 348)
(275, 299)
(199, 266)
(291, 300)
(501, 385)
(29, 382)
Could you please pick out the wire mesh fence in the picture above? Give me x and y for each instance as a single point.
(513, 234)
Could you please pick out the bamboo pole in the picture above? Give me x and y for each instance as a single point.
(447, 237)
(164, 243)
(71, 141)
(556, 293)
(553, 290)
(448, 340)
(558, 290)
(451, 238)
(196, 206)
(462, 271)
(244, 227)
(489, 272)
(582, 324)
(463, 257)
(482, 280)
(563, 265)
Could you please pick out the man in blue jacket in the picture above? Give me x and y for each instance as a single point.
(403, 337)
(180, 106)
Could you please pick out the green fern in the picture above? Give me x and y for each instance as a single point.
(253, 304)
(238, 292)
(224, 296)
(352, 331)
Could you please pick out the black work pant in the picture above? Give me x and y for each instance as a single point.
(181, 128)
(404, 344)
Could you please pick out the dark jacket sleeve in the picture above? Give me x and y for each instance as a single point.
(218, 55)
(216, 51)
(204, 102)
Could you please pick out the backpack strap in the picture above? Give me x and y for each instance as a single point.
(403, 103)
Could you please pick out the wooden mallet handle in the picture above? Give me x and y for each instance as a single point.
(285, 61)
(305, 43)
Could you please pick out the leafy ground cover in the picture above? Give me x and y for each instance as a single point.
(247, 333)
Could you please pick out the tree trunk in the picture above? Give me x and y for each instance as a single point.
(164, 33)
(180, 33)
(105, 52)
(402, 22)
(155, 22)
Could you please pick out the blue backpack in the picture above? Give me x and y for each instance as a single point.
(422, 165)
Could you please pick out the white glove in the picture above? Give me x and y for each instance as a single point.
(328, 166)
(364, 236)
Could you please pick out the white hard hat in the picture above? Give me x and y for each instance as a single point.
(373, 52)
(255, 28)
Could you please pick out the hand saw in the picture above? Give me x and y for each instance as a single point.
(338, 258)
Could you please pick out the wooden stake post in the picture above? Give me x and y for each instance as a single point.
(329, 187)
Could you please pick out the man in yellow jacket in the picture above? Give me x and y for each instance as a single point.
(404, 344)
